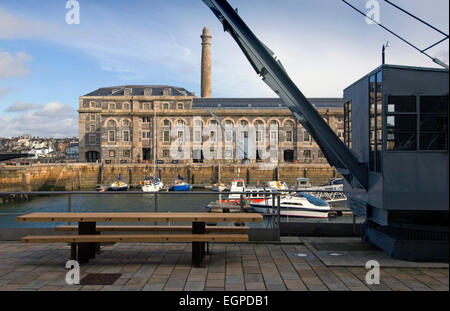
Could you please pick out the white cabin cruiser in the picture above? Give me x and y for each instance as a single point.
(152, 184)
(300, 205)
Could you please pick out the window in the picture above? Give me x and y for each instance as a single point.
(244, 123)
(180, 106)
(126, 136)
(433, 123)
(147, 92)
(146, 120)
(92, 104)
(212, 136)
(166, 123)
(111, 136)
(146, 106)
(273, 124)
(306, 136)
(180, 136)
(85, 105)
(259, 123)
(228, 136)
(111, 123)
(307, 154)
(197, 136)
(180, 123)
(127, 92)
(166, 136)
(126, 106)
(401, 123)
(165, 106)
(228, 123)
(258, 135)
(93, 117)
(166, 153)
(92, 127)
(288, 135)
(348, 123)
(126, 153)
(375, 122)
(146, 135)
(126, 123)
(320, 154)
(92, 139)
(112, 106)
(112, 154)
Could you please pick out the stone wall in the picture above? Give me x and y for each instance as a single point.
(88, 176)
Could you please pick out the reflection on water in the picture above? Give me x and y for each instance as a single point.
(176, 202)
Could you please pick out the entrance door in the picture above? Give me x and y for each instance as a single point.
(92, 156)
(146, 154)
(289, 156)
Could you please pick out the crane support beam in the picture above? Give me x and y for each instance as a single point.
(275, 76)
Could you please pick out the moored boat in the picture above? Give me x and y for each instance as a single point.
(118, 185)
(301, 205)
(152, 184)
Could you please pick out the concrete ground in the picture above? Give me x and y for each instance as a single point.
(296, 264)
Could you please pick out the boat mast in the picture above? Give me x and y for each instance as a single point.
(154, 139)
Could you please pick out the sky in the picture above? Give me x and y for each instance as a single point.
(47, 64)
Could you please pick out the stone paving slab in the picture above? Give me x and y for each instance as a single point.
(230, 267)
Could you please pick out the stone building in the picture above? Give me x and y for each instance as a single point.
(127, 124)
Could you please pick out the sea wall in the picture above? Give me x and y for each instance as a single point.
(88, 176)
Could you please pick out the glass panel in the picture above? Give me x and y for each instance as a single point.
(402, 104)
(434, 132)
(402, 132)
(434, 104)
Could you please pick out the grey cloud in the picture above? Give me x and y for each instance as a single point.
(13, 66)
(19, 106)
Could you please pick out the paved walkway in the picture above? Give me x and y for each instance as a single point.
(154, 266)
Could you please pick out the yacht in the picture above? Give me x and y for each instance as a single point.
(300, 205)
(118, 185)
(252, 193)
(152, 184)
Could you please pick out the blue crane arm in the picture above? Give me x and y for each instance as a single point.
(275, 76)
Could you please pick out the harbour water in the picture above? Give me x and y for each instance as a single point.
(168, 202)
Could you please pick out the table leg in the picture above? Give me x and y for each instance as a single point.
(86, 250)
(198, 248)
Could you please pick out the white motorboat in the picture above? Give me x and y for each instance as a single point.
(118, 186)
(302, 183)
(278, 185)
(152, 184)
(218, 187)
(301, 205)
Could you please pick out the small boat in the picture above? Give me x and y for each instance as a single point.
(181, 186)
(252, 193)
(278, 185)
(118, 185)
(151, 184)
(218, 187)
(302, 183)
(301, 205)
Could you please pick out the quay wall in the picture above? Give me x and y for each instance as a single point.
(83, 176)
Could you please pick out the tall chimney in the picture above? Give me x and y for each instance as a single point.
(206, 63)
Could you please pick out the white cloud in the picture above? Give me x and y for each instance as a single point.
(13, 67)
(19, 106)
(51, 120)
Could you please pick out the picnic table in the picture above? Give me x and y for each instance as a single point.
(88, 239)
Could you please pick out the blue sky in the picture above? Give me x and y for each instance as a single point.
(45, 64)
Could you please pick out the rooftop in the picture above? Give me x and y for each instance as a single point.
(138, 90)
(261, 103)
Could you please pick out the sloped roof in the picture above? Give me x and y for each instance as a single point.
(261, 103)
(138, 90)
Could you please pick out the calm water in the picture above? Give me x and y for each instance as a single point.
(180, 202)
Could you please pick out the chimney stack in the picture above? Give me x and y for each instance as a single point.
(206, 63)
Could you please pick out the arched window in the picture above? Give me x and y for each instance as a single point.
(289, 123)
(259, 123)
(126, 123)
(146, 106)
(274, 123)
(166, 123)
(112, 106)
(180, 106)
(244, 123)
(180, 123)
(111, 123)
(166, 106)
(126, 106)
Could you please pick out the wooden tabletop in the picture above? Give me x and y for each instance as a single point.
(140, 217)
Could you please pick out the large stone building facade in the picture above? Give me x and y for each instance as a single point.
(127, 124)
(151, 123)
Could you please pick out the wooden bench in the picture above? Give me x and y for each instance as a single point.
(85, 244)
